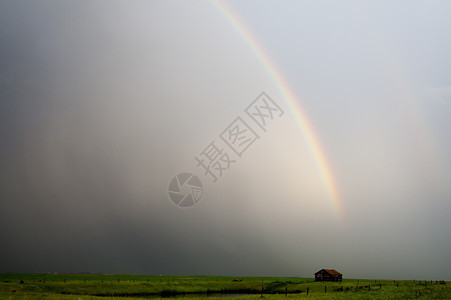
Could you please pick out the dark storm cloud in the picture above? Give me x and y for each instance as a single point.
(84, 151)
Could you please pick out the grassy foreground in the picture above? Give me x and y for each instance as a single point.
(53, 286)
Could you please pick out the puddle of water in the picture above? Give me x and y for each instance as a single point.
(233, 295)
(204, 295)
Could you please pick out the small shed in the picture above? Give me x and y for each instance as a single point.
(328, 275)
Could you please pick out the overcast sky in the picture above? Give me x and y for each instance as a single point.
(102, 103)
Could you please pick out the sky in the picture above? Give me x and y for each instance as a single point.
(104, 103)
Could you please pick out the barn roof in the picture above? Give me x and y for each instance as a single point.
(331, 272)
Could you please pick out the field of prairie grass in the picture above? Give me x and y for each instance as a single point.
(86, 286)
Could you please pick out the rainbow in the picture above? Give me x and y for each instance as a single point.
(294, 105)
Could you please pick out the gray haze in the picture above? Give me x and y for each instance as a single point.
(103, 102)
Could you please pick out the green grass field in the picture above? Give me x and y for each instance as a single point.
(55, 286)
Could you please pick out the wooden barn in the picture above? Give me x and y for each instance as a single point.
(328, 275)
